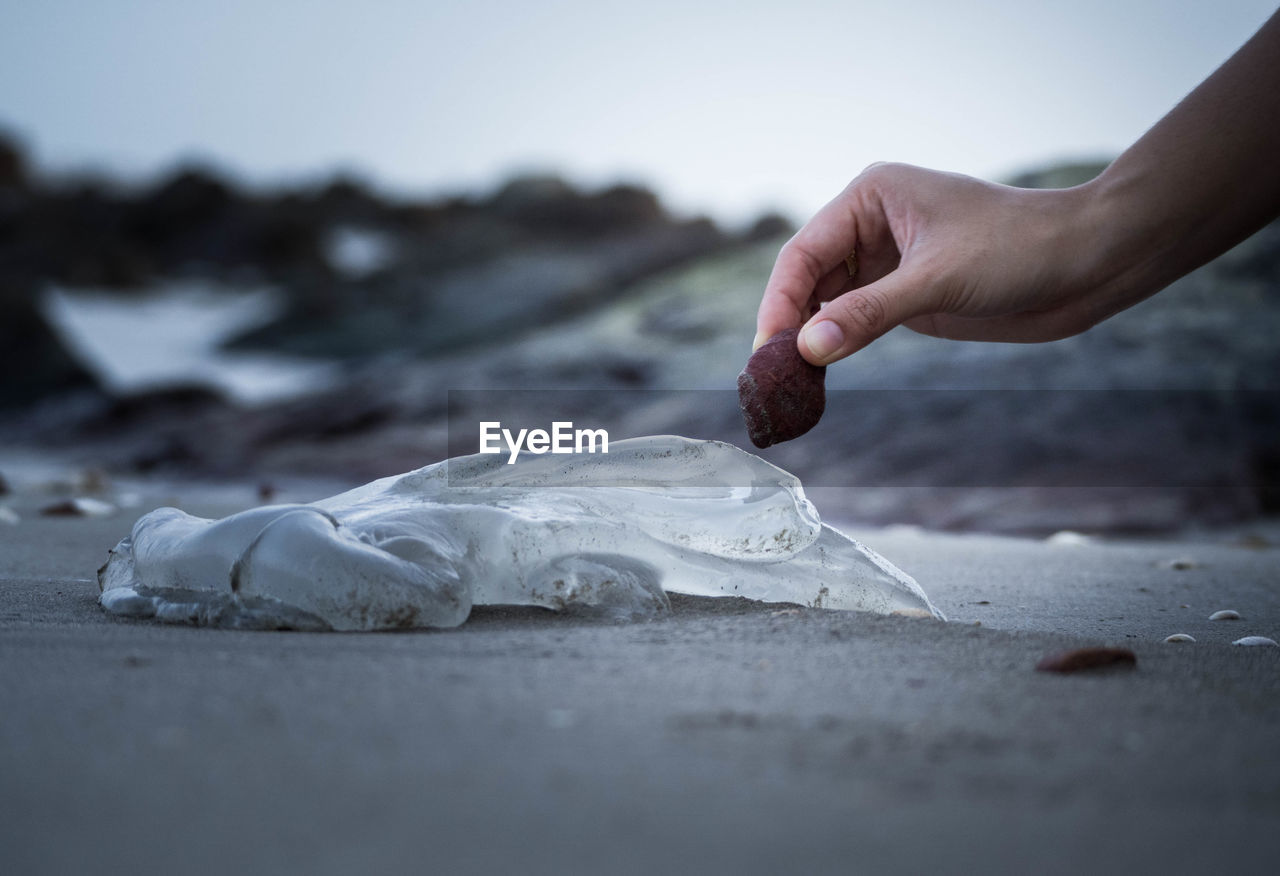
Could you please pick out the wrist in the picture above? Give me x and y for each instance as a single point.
(1129, 240)
(1109, 259)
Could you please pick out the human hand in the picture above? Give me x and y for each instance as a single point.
(946, 255)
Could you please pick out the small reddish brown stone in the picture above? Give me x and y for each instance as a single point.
(781, 395)
(64, 508)
(1087, 658)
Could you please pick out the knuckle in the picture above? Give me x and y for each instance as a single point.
(880, 170)
(876, 168)
(795, 252)
(864, 311)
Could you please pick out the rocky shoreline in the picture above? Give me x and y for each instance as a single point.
(1163, 417)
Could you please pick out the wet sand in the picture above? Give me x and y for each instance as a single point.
(726, 737)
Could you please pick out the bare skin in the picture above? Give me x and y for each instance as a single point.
(956, 257)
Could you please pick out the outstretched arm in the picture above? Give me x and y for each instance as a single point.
(960, 258)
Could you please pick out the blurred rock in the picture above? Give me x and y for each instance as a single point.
(537, 252)
(540, 284)
(13, 163)
(769, 227)
(183, 402)
(549, 206)
(34, 363)
(81, 506)
(445, 275)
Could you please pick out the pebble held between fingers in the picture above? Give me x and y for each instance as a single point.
(781, 395)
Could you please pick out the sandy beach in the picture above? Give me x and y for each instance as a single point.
(725, 737)
(362, 262)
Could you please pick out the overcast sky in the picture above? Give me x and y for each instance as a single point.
(724, 107)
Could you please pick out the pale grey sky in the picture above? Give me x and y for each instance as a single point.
(724, 107)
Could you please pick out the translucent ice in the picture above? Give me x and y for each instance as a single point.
(607, 532)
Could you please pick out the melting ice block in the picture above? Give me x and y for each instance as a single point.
(609, 533)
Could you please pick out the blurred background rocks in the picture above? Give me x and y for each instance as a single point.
(376, 307)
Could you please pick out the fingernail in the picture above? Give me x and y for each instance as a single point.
(824, 339)
(760, 338)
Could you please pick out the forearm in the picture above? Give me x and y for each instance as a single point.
(1201, 180)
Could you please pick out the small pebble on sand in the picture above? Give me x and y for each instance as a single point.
(1081, 659)
(1225, 614)
(1179, 637)
(8, 515)
(1255, 640)
(1178, 564)
(79, 507)
(1254, 541)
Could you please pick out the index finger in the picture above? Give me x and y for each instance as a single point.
(815, 250)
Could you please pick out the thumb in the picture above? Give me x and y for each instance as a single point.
(855, 319)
